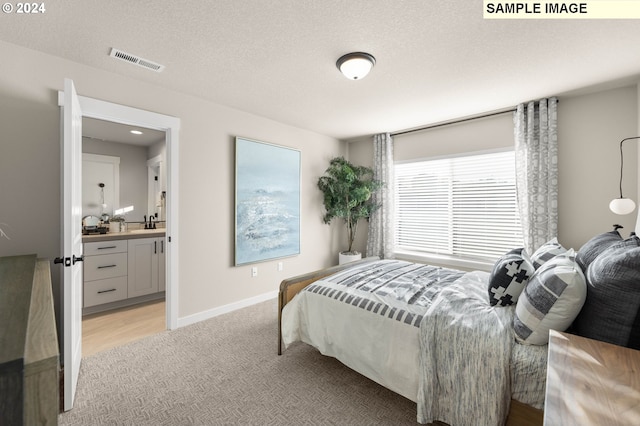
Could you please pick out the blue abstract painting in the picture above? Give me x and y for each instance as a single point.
(267, 201)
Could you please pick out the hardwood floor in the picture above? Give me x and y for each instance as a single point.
(106, 330)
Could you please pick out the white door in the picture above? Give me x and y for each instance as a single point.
(72, 240)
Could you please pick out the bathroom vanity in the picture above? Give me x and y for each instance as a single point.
(123, 268)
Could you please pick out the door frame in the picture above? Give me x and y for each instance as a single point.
(108, 111)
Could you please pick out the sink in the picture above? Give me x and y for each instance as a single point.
(145, 231)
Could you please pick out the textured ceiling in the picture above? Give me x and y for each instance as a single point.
(436, 59)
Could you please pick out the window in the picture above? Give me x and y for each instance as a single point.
(463, 207)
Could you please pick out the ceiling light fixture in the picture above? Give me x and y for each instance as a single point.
(135, 132)
(356, 65)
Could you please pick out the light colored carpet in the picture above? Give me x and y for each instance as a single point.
(226, 371)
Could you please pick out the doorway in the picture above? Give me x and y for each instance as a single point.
(123, 169)
(102, 110)
(74, 108)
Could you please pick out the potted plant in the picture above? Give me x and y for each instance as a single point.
(117, 224)
(347, 191)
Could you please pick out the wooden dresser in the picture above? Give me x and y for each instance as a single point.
(591, 383)
(29, 359)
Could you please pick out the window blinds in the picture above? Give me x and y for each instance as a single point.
(459, 206)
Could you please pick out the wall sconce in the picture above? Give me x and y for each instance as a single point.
(356, 65)
(622, 205)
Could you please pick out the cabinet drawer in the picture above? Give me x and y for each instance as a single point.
(104, 291)
(105, 266)
(105, 247)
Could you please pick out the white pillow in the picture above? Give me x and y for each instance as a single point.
(546, 252)
(551, 300)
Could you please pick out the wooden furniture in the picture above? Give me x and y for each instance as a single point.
(591, 382)
(29, 362)
(123, 269)
(519, 414)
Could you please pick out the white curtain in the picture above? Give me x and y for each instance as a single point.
(536, 145)
(380, 241)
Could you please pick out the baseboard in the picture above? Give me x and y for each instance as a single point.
(220, 310)
(123, 303)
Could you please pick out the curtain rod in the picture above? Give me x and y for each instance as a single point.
(448, 123)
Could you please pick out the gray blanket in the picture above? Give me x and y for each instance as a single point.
(465, 355)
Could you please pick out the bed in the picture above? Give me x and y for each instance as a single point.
(425, 332)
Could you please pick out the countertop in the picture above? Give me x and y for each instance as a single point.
(129, 235)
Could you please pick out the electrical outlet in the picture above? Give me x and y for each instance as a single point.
(280, 266)
(254, 271)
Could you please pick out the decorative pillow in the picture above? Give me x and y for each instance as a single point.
(509, 276)
(546, 252)
(596, 245)
(552, 300)
(612, 310)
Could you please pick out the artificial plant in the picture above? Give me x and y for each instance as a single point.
(347, 191)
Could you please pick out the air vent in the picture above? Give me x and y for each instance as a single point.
(136, 60)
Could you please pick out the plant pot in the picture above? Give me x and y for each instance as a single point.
(114, 226)
(346, 257)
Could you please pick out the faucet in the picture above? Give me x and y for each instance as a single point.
(152, 224)
(145, 222)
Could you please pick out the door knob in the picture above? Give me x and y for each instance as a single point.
(78, 259)
(66, 261)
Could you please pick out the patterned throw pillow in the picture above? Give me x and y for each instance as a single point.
(612, 310)
(546, 252)
(552, 300)
(509, 276)
(596, 245)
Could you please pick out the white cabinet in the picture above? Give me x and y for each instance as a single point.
(145, 260)
(105, 272)
(119, 270)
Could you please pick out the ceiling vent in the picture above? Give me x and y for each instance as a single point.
(136, 60)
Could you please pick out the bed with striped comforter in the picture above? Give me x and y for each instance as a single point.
(425, 332)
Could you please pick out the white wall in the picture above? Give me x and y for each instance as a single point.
(590, 128)
(30, 176)
(483, 134)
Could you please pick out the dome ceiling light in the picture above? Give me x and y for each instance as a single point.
(356, 65)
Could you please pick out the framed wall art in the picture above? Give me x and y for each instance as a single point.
(267, 201)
